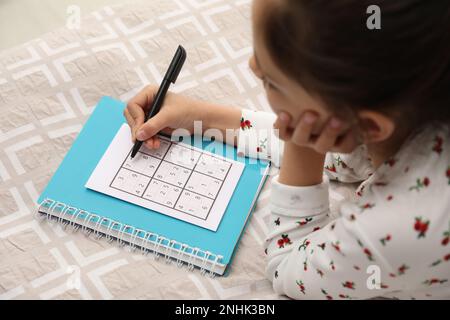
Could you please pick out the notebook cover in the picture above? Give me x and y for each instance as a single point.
(68, 186)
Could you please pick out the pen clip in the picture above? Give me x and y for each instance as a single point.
(176, 65)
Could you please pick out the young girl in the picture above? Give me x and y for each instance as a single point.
(369, 106)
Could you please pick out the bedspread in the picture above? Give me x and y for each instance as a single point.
(48, 88)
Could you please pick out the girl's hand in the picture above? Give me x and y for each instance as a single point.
(335, 135)
(176, 112)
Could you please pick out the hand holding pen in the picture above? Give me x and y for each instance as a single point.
(170, 77)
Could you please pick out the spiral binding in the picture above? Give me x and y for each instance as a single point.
(90, 223)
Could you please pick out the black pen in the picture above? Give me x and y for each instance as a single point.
(170, 77)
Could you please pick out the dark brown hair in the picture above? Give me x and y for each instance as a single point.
(325, 46)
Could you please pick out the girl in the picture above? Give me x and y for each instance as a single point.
(369, 106)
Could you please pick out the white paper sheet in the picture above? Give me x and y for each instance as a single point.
(177, 180)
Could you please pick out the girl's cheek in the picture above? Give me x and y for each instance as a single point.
(277, 102)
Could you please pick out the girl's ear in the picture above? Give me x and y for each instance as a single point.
(375, 126)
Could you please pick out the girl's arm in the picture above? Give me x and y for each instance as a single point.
(252, 132)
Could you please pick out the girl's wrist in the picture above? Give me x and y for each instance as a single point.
(221, 117)
(301, 166)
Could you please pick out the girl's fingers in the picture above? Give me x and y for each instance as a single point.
(138, 115)
(153, 143)
(302, 133)
(131, 123)
(137, 106)
(282, 125)
(149, 143)
(157, 142)
(327, 138)
(154, 125)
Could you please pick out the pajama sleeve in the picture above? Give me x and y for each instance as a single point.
(257, 138)
(308, 255)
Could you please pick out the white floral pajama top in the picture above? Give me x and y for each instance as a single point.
(392, 242)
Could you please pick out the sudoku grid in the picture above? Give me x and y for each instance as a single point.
(175, 175)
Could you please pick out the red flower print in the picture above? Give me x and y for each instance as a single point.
(445, 241)
(349, 285)
(447, 174)
(389, 198)
(332, 265)
(280, 243)
(360, 192)
(320, 273)
(385, 239)
(356, 268)
(391, 162)
(301, 286)
(392, 275)
(434, 281)
(337, 247)
(341, 163)
(315, 229)
(283, 241)
(447, 257)
(366, 251)
(437, 147)
(245, 124)
(326, 294)
(345, 296)
(367, 206)
(384, 286)
(304, 245)
(331, 169)
(421, 227)
(352, 217)
(420, 184)
(305, 265)
(402, 269)
(304, 221)
(262, 145)
(446, 237)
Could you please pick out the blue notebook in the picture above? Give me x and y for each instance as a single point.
(67, 200)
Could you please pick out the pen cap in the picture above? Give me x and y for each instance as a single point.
(176, 65)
